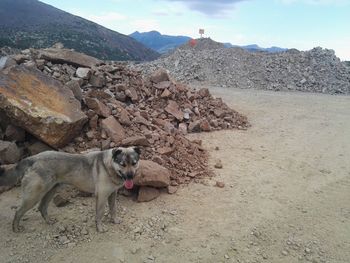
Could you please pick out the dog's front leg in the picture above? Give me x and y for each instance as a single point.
(113, 208)
(101, 200)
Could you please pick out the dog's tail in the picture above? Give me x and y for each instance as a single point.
(13, 176)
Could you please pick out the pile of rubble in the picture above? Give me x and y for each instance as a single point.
(317, 70)
(60, 99)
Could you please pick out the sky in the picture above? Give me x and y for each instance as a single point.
(301, 24)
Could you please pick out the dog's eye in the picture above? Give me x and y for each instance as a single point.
(134, 163)
(122, 164)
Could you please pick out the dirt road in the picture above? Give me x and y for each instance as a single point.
(286, 197)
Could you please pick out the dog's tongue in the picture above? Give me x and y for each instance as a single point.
(129, 184)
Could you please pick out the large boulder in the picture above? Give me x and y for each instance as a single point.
(41, 105)
(113, 128)
(9, 152)
(68, 56)
(152, 174)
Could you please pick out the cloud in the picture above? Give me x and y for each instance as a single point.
(317, 2)
(106, 18)
(218, 8)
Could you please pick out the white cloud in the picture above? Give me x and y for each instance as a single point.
(316, 2)
(145, 24)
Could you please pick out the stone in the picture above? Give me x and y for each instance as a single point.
(9, 152)
(152, 174)
(183, 128)
(165, 150)
(204, 92)
(220, 184)
(166, 94)
(162, 85)
(14, 133)
(51, 113)
(218, 164)
(83, 73)
(6, 62)
(132, 94)
(194, 126)
(124, 118)
(97, 106)
(38, 147)
(97, 81)
(74, 86)
(69, 57)
(138, 140)
(114, 130)
(147, 194)
(205, 126)
(60, 200)
(172, 189)
(173, 109)
(159, 76)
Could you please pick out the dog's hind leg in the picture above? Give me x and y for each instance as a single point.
(44, 203)
(33, 189)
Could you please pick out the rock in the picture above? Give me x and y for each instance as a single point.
(132, 94)
(166, 94)
(220, 184)
(194, 126)
(59, 200)
(38, 147)
(147, 194)
(205, 126)
(183, 128)
(173, 109)
(165, 150)
(162, 85)
(14, 133)
(135, 141)
(124, 118)
(97, 106)
(218, 164)
(159, 76)
(6, 62)
(204, 92)
(172, 189)
(97, 81)
(83, 73)
(152, 174)
(9, 152)
(69, 57)
(114, 130)
(74, 86)
(51, 113)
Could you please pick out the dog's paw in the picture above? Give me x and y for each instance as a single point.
(18, 229)
(51, 221)
(116, 220)
(101, 228)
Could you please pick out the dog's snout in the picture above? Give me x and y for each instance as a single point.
(130, 175)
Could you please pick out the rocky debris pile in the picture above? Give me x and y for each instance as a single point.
(317, 70)
(119, 106)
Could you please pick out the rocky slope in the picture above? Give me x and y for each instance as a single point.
(31, 23)
(317, 70)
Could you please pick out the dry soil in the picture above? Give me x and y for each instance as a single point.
(286, 197)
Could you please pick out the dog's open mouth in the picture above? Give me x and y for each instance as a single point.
(128, 184)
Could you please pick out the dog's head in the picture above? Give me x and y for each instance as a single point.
(125, 162)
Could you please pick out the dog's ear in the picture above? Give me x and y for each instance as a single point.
(137, 150)
(116, 152)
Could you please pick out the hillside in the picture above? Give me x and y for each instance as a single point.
(30, 23)
(158, 42)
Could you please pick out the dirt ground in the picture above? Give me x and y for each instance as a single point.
(286, 197)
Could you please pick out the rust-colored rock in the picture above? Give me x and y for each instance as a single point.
(68, 56)
(152, 174)
(40, 105)
(173, 109)
(98, 107)
(147, 194)
(135, 141)
(114, 130)
(159, 76)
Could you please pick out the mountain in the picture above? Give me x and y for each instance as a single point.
(158, 42)
(31, 23)
(255, 48)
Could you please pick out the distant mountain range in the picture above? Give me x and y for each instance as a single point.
(164, 43)
(31, 23)
(158, 42)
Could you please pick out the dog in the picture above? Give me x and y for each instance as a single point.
(98, 172)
